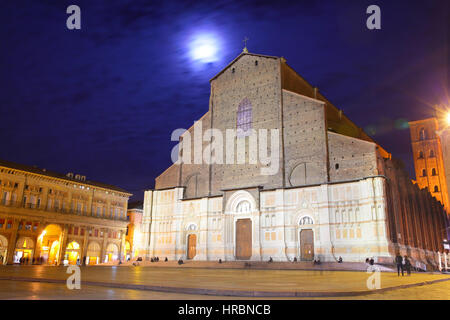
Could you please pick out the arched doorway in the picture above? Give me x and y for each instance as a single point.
(191, 246)
(127, 251)
(3, 249)
(306, 245)
(72, 252)
(93, 253)
(24, 250)
(306, 238)
(112, 253)
(48, 241)
(243, 239)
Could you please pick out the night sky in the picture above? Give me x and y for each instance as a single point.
(103, 101)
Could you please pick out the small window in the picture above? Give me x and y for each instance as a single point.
(421, 155)
(336, 166)
(423, 134)
(256, 62)
(232, 70)
(424, 173)
(436, 189)
(433, 172)
(16, 185)
(431, 154)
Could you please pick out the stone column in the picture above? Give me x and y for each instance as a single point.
(122, 257)
(445, 261)
(104, 244)
(63, 243)
(12, 241)
(84, 246)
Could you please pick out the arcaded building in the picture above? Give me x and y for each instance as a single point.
(51, 218)
(330, 191)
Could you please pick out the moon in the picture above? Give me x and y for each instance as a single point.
(204, 48)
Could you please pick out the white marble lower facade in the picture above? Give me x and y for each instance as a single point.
(347, 220)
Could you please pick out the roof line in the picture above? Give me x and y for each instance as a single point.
(59, 176)
(237, 58)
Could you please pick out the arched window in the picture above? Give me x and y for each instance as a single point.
(433, 172)
(421, 155)
(424, 173)
(423, 134)
(436, 189)
(431, 154)
(244, 117)
(306, 220)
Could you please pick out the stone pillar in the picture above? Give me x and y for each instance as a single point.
(90, 212)
(104, 244)
(63, 243)
(122, 257)
(12, 241)
(84, 246)
(445, 261)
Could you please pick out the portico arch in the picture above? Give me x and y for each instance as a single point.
(72, 252)
(3, 249)
(49, 244)
(112, 252)
(24, 249)
(93, 253)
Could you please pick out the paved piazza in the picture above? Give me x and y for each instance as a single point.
(212, 279)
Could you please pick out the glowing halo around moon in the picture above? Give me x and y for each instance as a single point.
(204, 48)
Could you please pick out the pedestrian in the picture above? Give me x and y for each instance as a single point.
(340, 260)
(407, 266)
(399, 262)
(371, 261)
(367, 260)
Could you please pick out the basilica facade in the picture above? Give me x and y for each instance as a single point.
(334, 192)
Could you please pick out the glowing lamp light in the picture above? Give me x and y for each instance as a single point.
(448, 118)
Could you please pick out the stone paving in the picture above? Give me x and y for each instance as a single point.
(225, 279)
(12, 290)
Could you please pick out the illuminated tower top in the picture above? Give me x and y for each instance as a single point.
(429, 159)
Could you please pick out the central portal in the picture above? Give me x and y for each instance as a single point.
(192, 245)
(307, 244)
(243, 239)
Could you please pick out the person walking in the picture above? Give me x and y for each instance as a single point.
(407, 266)
(399, 262)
